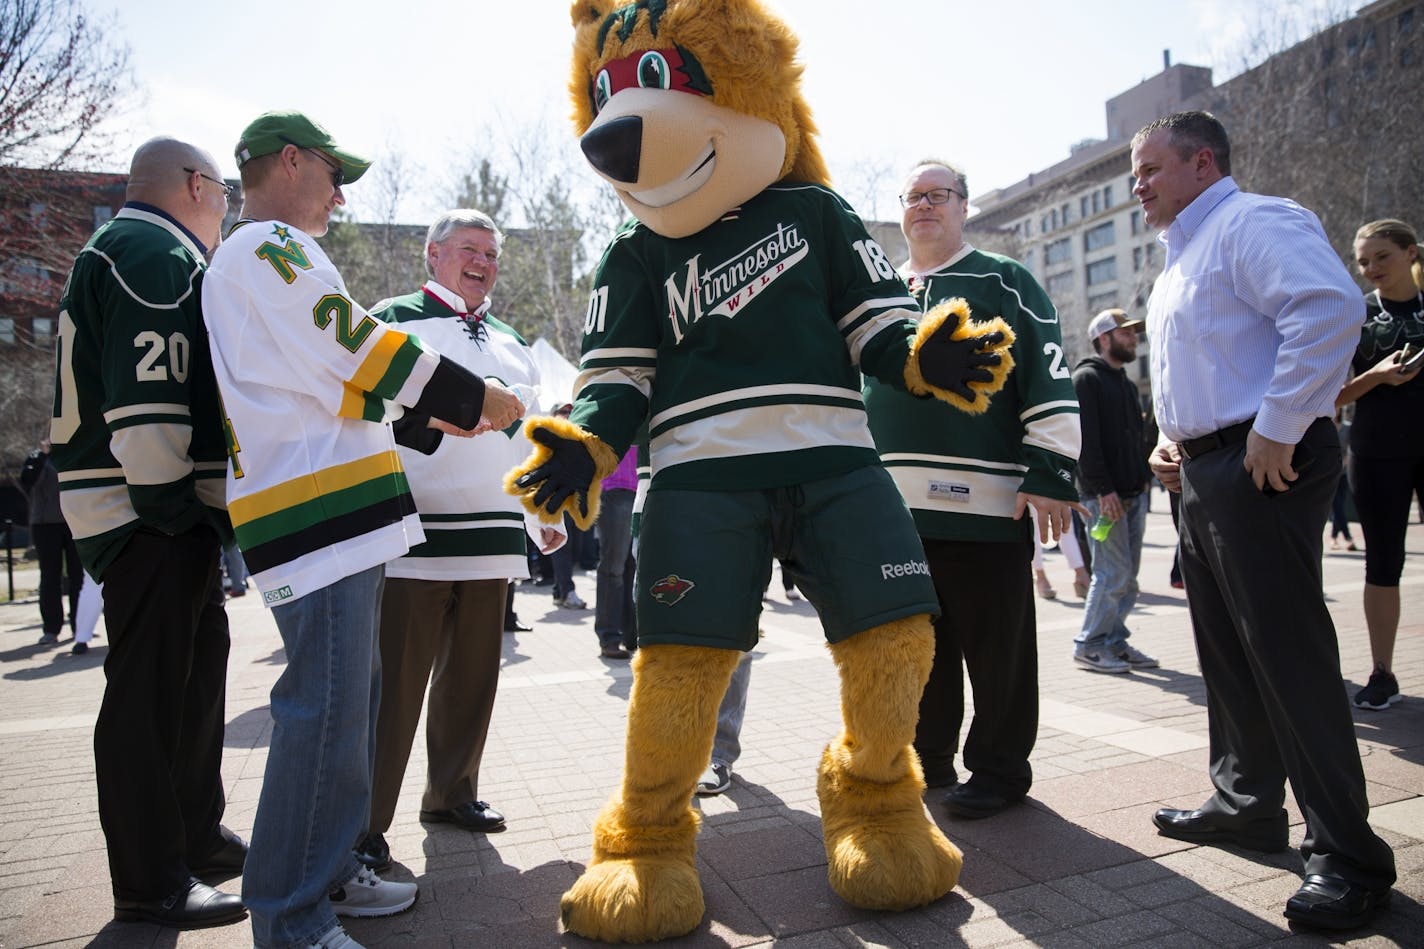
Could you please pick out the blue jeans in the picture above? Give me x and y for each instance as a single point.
(316, 793)
(613, 606)
(727, 745)
(1113, 591)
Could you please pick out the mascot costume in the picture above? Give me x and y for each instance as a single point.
(734, 316)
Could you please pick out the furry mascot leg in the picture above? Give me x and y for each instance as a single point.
(641, 883)
(883, 850)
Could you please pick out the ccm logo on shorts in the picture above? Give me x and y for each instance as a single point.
(889, 571)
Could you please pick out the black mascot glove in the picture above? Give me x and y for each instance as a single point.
(951, 364)
(569, 470)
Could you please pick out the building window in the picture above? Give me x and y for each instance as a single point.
(1083, 206)
(1136, 222)
(1097, 206)
(1101, 271)
(1102, 301)
(102, 213)
(1057, 252)
(1065, 214)
(1151, 254)
(1100, 236)
(42, 327)
(1060, 284)
(1136, 259)
(1107, 196)
(7, 330)
(1053, 219)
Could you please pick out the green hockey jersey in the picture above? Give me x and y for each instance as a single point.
(743, 345)
(958, 472)
(136, 428)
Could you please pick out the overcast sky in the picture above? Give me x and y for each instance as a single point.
(1003, 88)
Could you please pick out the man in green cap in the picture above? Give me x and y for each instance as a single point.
(316, 394)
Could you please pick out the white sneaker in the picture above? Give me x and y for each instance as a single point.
(336, 938)
(366, 894)
(1099, 661)
(1136, 658)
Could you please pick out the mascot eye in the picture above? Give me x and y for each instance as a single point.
(602, 90)
(653, 71)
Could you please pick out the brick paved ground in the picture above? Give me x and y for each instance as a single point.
(1079, 866)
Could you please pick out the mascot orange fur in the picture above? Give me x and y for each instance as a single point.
(734, 317)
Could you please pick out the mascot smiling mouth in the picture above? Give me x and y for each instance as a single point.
(696, 177)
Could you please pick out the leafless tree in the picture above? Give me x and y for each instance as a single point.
(1330, 121)
(380, 257)
(556, 218)
(62, 78)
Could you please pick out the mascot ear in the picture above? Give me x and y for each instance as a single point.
(588, 11)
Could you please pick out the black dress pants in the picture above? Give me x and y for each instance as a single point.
(1276, 703)
(58, 558)
(158, 738)
(987, 625)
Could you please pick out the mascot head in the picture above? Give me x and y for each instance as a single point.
(689, 107)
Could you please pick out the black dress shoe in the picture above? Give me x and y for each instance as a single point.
(194, 905)
(614, 652)
(472, 815)
(224, 863)
(1329, 902)
(973, 803)
(513, 625)
(1196, 827)
(374, 852)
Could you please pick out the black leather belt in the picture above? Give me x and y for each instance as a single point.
(1232, 434)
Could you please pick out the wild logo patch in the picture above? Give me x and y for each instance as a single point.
(670, 590)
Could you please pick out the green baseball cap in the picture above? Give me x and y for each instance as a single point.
(270, 131)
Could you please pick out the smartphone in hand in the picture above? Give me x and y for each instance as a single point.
(1410, 357)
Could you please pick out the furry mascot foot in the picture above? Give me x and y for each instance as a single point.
(882, 849)
(641, 884)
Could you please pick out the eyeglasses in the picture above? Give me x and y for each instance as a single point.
(338, 174)
(937, 196)
(226, 188)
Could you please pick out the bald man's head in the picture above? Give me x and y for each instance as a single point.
(184, 181)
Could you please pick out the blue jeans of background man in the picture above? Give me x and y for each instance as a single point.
(727, 745)
(316, 793)
(613, 606)
(1113, 590)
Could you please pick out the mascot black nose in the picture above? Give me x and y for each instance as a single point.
(615, 148)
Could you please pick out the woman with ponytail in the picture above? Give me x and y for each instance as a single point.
(1386, 464)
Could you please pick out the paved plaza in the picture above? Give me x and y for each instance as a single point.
(1079, 865)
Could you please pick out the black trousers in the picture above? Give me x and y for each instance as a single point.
(1276, 703)
(987, 625)
(58, 557)
(158, 739)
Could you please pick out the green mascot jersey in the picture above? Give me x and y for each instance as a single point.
(960, 473)
(742, 345)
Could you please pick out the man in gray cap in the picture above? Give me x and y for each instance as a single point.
(1113, 479)
(311, 385)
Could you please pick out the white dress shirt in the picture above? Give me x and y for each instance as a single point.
(1254, 315)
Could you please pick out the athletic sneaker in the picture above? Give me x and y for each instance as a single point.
(716, 779)
(1136, 658)
(1379, 693)
(366, 894)
(1099, 661)
(336, 938)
